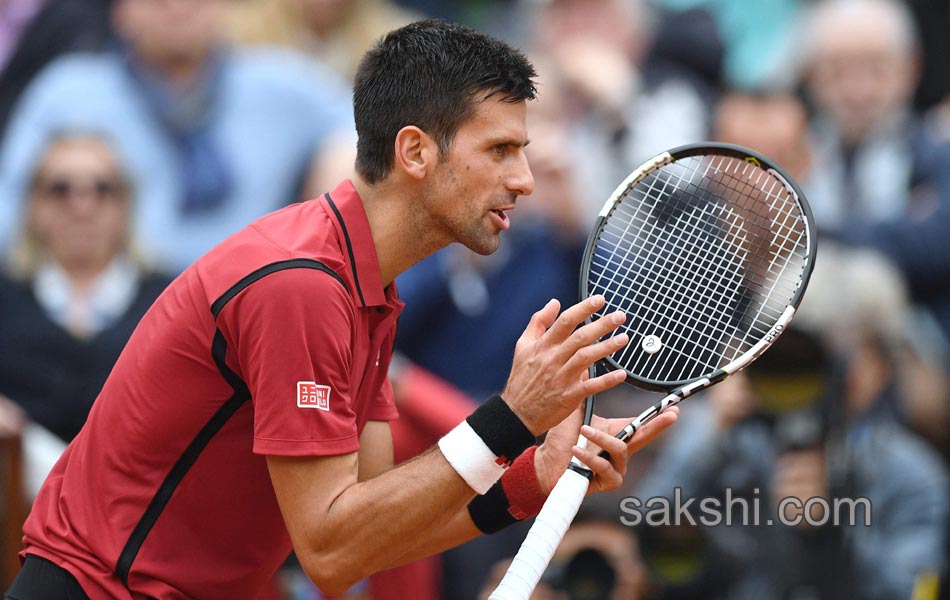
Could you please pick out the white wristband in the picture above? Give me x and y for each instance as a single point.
(471, 458)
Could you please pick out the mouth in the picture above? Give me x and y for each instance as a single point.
(501, 217)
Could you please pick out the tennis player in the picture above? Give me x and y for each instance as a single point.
(248, 414)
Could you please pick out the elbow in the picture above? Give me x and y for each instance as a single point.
(329, 573)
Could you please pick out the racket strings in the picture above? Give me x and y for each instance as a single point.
(704, 254)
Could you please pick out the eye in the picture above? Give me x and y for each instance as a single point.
(501, 149)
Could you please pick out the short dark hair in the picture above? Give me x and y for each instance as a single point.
(429, 74)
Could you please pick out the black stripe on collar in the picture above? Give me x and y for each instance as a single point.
(349, 246)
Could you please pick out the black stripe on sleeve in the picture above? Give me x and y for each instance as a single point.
(213, 426)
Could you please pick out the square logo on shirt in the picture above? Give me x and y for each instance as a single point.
(312, 395)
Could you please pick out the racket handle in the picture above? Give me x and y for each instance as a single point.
(543, 538)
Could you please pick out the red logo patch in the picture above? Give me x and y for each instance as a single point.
(311, 395)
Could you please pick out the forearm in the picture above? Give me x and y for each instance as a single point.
(433, 539)
(387, 520)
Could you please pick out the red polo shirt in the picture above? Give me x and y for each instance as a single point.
(276, 342)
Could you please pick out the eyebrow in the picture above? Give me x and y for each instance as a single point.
(509, 142)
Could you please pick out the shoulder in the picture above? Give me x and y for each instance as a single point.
(299, 303)
(80, 69)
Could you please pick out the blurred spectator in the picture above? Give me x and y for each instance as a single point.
(775, 124)
(34, 32)
(620, 109)
(336, 31)
(882, 173)
(758, 38)
(862, 69)
(814, 419)
(214, 136)
(77, 289)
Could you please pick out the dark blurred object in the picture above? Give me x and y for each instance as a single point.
(13, 509)
(793, 383)
(688, 42)
(933, 21)
(58, 27)
(685, 563)
(588, 575)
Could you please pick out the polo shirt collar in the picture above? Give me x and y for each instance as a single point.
(346, 211)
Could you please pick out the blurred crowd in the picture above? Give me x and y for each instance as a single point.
(137, 134)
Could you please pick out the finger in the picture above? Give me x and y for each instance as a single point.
(565, 324)
(605, 470)
(588, 355)
(616, 448)
(658, 425)
(541, 320)
(588, 334)
(599, 384)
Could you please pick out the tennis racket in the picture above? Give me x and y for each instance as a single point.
(708, 249)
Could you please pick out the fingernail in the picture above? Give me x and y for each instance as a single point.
(588, 431)
(596, 300)
(620, 339)
(617, 317)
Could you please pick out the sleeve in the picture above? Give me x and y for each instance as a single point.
(384, 407)
(292, 335)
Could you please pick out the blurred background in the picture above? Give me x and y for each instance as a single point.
(136, 134)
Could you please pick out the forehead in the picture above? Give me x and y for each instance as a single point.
(862, 29)
(82, 155)
(495, 121)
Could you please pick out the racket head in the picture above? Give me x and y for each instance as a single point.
(708, 249)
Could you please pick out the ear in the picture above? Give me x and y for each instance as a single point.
(416, 153)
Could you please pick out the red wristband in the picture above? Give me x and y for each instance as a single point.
(516, 496)
(522, 487)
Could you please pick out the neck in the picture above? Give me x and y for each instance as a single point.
(83, 275)
(395, 219)
(180, 71)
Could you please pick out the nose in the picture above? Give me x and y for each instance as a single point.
(521, 180)
(83, 202)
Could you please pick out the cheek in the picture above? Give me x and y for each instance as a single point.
(42, 222)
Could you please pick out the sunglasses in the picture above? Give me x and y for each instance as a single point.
(62, 189)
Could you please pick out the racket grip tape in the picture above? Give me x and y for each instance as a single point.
(543, 539)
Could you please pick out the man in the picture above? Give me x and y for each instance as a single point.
(882, 180)
(248, 414)
(217, 136)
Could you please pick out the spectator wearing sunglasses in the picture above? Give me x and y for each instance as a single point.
(215, 136)
(74, 290)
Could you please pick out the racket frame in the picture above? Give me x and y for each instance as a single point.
(685, 388)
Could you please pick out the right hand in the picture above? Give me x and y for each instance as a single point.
(549, 373)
